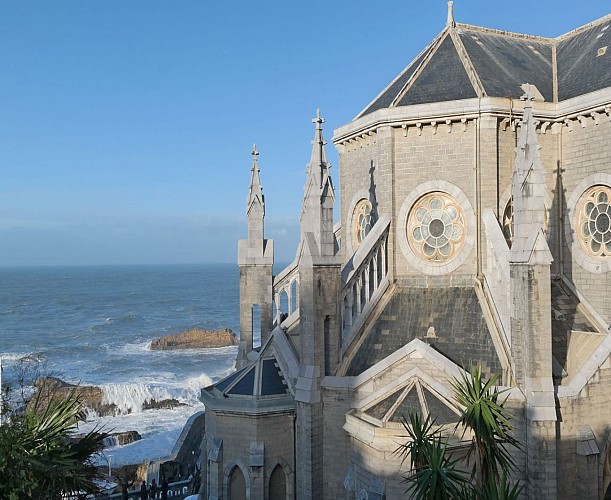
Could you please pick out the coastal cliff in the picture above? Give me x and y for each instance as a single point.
(195, 338)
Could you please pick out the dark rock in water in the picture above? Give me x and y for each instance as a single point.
(164, 403)
(121, 438)
(196, 339)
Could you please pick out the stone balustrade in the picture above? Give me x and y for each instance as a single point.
(364, 278)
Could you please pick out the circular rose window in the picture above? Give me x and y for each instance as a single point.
(594, 221)
(436, 228)
(363, 221)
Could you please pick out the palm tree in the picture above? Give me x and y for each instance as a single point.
(485, 415)
(420, 433)
(37, 457)
(439, 478)
(435, 473)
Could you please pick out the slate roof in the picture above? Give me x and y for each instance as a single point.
(566, 317)
(454, 312)
(262, 378)
(502, 61)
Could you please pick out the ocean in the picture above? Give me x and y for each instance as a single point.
(93, 325)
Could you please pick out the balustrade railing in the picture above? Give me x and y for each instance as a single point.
(176, 491)
(364, 278)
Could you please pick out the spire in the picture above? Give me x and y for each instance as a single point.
(528, 189)
(450, 21)
(319, 196)
(255, 201)
(318, 162)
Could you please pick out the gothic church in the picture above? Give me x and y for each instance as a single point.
(474, 227)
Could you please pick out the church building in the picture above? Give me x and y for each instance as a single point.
(474, 228)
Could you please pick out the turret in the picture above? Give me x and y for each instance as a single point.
(255, 258)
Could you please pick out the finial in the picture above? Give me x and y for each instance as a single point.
(450, 21)
(318, 120)
(530, 93)
(254, 152)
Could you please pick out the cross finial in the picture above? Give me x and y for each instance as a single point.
(318, 120)
(254, 152)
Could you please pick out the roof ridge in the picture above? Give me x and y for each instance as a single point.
(513, 34)
(465, 59)
(576, 31)
(435, 44)
(429, 47)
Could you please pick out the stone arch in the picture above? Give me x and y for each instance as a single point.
(231, 482)
(289, 476)
(294, 303)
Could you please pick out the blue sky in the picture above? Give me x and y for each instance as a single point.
(126, 126)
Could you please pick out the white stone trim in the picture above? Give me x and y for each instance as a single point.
(596, 266)
(454, 262)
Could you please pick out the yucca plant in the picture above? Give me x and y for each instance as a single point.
(483, 412)
(440, 478)
(37, 457)
(420, 432)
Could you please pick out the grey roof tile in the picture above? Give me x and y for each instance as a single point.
(504, 62)
(455, 313)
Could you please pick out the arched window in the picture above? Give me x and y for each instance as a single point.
(277, 484)
(362, 221)
(237, 484)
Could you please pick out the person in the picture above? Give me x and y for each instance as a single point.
(124, 495)
(153, 489)
(164, 488)
(143, 493)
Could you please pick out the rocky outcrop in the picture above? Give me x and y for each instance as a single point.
(196, 339)
(122, 438)
(91, 396)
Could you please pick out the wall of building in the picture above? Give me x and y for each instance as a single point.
(586, 151)
(276, 431)
(589, 408)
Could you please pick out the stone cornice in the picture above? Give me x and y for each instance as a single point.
(593, 106)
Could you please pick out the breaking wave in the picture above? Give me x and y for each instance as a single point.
(134, 397)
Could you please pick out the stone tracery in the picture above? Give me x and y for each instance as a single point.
(594, 221)
(436, 227)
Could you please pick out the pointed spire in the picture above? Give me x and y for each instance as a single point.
(255, 201)
(528, 185)
(255, 190)
(319, 196)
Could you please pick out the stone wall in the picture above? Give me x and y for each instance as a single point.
(239, 432)
(586, 151)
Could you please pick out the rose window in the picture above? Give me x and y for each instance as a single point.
(363, 220)
(436, 227)
(594, 221)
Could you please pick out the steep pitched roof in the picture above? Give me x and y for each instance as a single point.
(449, 319)
(466, 61)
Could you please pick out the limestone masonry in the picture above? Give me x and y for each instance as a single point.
(474, 228)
